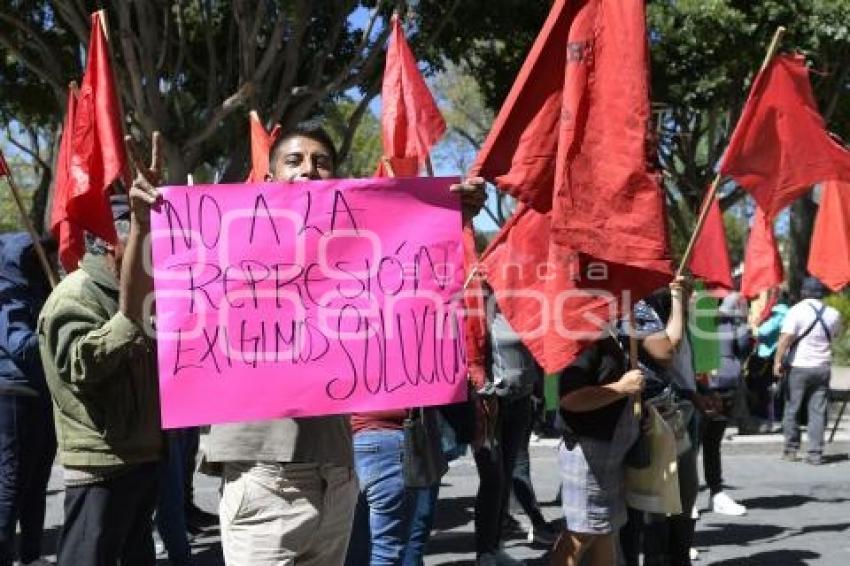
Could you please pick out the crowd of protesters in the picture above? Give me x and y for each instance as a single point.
(333, 490)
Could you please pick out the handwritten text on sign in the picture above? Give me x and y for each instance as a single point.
(306, 299)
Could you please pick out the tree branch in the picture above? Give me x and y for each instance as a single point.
(239, 98)
(75, 16)
(355, 119)
(290, 58)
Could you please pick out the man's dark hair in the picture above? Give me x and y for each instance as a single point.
(812, 288)
(315, 133)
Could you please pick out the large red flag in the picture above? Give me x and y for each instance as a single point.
(570, 143)
(762, 263)
(98, 155)
(69, 235)
(261, 144)
(4, 167)
(781, 147)
(710, 257)
(411, 123)
(829, 254)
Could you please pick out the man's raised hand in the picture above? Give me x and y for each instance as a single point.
(472, 196)
(143, 192)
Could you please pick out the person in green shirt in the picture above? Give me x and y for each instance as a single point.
(101, 370)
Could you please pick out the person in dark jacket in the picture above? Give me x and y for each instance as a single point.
(27, 440)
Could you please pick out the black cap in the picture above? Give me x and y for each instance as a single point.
(812, 288)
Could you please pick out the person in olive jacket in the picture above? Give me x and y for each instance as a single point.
(101, 370)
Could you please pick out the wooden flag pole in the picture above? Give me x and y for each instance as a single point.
(388, 166)
(712, 191)
(39, 249)
(428, 166)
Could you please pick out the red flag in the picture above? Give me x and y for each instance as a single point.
(411, 123)
(710, 258)
(829, 255)
(475, 321)
(781, 147)
(261, 143)
(4, 167)
(570, 144)
(762, 264)
(398, 167)
(98, 156)
(69, 235)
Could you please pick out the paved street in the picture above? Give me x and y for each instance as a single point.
(798, 515)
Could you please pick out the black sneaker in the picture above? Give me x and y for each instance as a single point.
(197, 519)
(511, 528)
(542, 534)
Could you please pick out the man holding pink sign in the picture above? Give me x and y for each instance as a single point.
(278, 322)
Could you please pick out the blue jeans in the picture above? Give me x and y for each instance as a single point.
(421, 523)
(170, 513)
(382, 518)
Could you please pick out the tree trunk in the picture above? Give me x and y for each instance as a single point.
(38, 209)
(803, 213)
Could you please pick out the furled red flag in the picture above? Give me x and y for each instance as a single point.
(781, 147)
(69, 235)
(762, 264)
(261, 144)
(570, 143)
(829, 254)
(98, 155)
(4, 167)
(710, 258)
(411, 123)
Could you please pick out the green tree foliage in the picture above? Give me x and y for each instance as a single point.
(363, 144)
(704, 56)
(193, 70)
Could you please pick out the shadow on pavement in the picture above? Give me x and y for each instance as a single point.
(773, 502)
(773, 558)
(834, 528)
(453, 513)
(720, 534)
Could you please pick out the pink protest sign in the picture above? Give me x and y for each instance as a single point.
(281, 300)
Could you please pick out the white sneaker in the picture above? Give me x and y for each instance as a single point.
(694, 554)
(694, 512)
(725, 505)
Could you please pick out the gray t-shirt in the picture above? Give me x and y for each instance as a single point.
(313, 440)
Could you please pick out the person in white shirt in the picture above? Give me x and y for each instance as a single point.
(804, 358)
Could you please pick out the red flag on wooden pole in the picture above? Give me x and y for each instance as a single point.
(762, 263)
(67, 233)
(781, 147)
(570, 143)
(411, 122)
(261, 143)
(710, 259)
(97, 153)
(829, 254)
